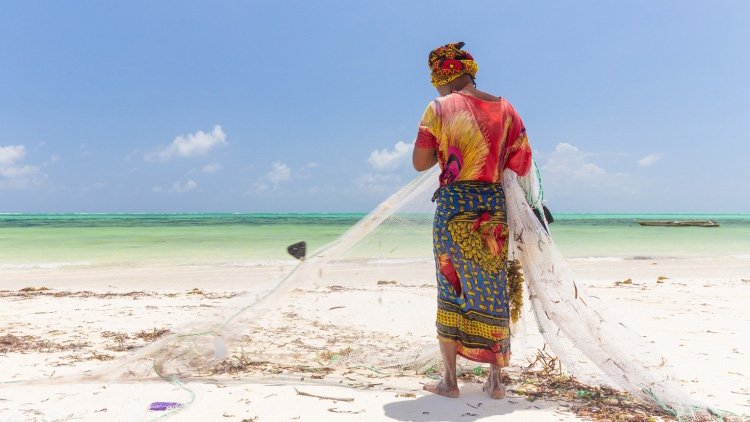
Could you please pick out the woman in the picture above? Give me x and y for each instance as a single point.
(474, 136)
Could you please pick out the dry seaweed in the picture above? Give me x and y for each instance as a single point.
(10, 343)
(602, 404)
(34, 289)
(30, 292)
(121, 339)
(620, 283)
(329, 356)
(121, 344)
(243, 364)
(157, 333)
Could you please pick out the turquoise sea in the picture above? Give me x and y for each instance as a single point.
(59, 240)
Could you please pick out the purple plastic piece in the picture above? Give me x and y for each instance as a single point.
(164, 405)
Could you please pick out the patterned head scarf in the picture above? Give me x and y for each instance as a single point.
(449, 62)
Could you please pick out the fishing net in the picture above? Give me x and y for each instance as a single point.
(359, 302)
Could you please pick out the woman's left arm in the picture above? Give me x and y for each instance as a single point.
(423, 158)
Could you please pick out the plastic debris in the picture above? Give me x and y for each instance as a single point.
(164, 405)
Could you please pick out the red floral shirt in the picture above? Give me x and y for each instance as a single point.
(474, 139)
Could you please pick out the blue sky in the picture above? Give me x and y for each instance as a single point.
(184, 106)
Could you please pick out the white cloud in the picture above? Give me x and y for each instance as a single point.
(326, 190)
(567, 173)
(270, 181)
(199, 143)
(379, 182)
(305, 172)
(181, 188)
(211, 168)
(279, 173)
(569, 163)
(11, 154)
(385, 159)
(54, 158)
(15, 174)
(566, 147)
(650, 159)
(260, 187)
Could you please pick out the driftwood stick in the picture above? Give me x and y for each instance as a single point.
(302, 393)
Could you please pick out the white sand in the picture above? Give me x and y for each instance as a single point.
(697, 317)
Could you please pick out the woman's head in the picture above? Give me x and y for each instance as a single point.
(449, 62)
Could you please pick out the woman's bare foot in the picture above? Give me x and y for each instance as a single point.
(496, 390)
(494, 384)
(441, 388)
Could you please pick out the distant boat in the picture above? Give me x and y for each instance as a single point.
(679, 223)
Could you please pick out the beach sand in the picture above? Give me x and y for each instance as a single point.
(91, 318)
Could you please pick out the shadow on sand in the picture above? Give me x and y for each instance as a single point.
(472, 405)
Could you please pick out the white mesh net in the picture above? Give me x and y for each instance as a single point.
(351, 324)
(591, 343)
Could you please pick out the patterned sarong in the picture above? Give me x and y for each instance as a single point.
(469, 238)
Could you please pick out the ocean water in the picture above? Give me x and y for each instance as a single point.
(61, 240)
(618, 236)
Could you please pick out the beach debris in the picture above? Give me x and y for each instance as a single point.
(195, 291)
(381, 282)
(547, 361)
(255, 418)
(336, 307)
(410, 395)
(601, 404)
(628, 281)
(479, 371)
(243, 364)
(470, 414)
(108, 295)
(122, 345)
(335, 410)
(34, 289)
(661, 279)
(10, 343)
(236, 364)
(330, 356)
(157, 333)
(302, 393)
(100, 356)
(159, 406)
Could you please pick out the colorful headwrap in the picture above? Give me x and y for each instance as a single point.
(449, 62)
